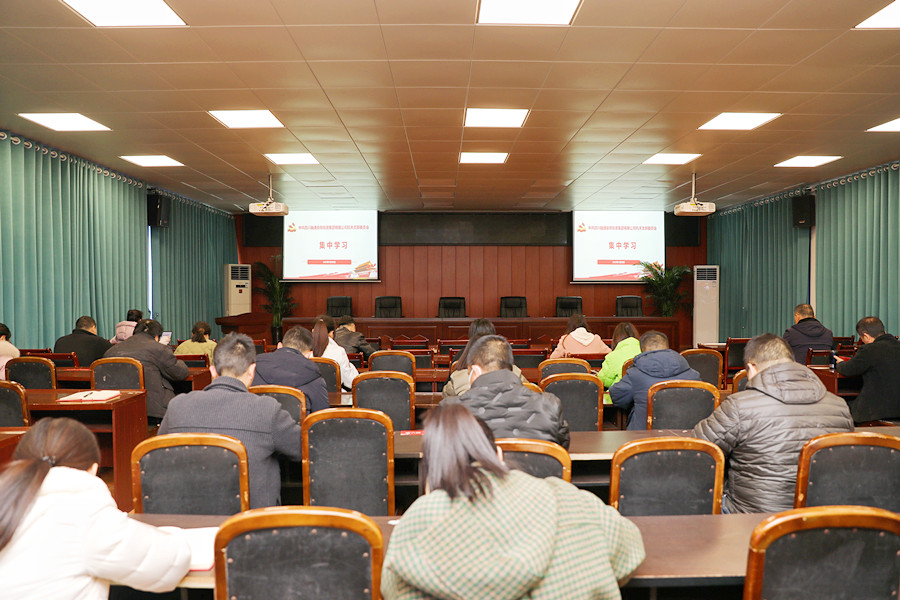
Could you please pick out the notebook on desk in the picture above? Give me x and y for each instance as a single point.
(91, 396)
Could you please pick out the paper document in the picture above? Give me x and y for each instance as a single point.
(90, 395)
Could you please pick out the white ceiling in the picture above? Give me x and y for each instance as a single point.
(376, 90)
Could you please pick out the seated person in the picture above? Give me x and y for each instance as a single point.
(83, 341)
(125, 329)
(625, 346)
(324, 346)
(225, 406)
(63, 537)
(578, 339)
(7, 350)
(878, 361)
(290, 365)
(508, 407)
(458, 383)
(351, 340)
(484, 531)
(161, 367)
(807, 332)
(762, 429)
(199, 342)
(655, 363)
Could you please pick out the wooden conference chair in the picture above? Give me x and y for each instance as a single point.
(117, 373)
(33, 372)
(391, 392)
(581, 395)
(330, 371)
(554, 366)
(539, 458)
(13, 405)
(679, 404)
(706, 362)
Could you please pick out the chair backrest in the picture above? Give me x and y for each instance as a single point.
(595, 361)
(190, 474)
(356, 359)
(419, 342)
(581, 395)
(818, 357)
(568, 305)
(270, 553)
(200, 361)
(706, 362)
(627, 365)
(13, 405)
(117, 373)
(554, 366)
(451, 307)
(513, 306)
(338, 306)
(734, 354)
(739, 383)
(530, 358)
(536, 457)
(825, 552)
(348, 460)
(680, 404)
(388, 307)
(424, 357)
(667, 476)
(393, 360)
(629, 306)
(60, 359)
(261, 346)
(519, 344)
(531, 386)
(391, 392)
(840, 340)
(859, 468)
(33, 372)
(330, 371)
(290, 399)
(448, 346)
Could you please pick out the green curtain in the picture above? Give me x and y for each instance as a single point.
(763, 266)
(188, 258)
(73, 241)
(858, 249)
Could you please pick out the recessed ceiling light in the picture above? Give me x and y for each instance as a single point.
(126, 13)
(886, 18)
(670, 159)
(153, 160)
(299, 158)
(739, 121)
(527, 12)
(889, 126)
(483, 157)
(808, 161)
(245, 119)
(495, 117)
(65, 121)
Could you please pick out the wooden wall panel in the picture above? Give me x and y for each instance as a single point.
(481, 274)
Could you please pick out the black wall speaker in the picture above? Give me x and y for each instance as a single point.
(682, 231)
(158, 208)
(804, 211)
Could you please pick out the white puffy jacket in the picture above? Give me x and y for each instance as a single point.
(74, 542)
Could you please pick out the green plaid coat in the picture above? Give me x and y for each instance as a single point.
(533, 538)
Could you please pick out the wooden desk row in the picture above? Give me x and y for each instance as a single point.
(197, 379)
(696, 550)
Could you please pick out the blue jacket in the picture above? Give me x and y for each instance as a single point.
(630, 392)
(286, 366)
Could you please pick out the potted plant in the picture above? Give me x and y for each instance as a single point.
(662, 287)
(278, 294)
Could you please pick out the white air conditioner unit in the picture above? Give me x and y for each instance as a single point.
(706, 304)
(237, 289)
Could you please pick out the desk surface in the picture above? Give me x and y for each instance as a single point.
(198, 376)
(9, 439)
(688, 550)
(43, 400)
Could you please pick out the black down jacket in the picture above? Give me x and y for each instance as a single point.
(761, 431)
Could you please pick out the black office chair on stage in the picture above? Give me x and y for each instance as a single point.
(513, 306)
(338, 306)
(629, 306)
(568, 305)
(388, 307)
(452, 307)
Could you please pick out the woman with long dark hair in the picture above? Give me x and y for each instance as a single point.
(578, 339)
(199, 342)
(484, 531)
(458, 383)
(325, 346)
(61, 535)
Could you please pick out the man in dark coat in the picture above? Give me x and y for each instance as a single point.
(878, 361)
(807, 332)
(290, 365)
(84, 342)
(348, 338)
(225, 406)
(498, 397)
(762, 429)
(655, 363)
(161, 367)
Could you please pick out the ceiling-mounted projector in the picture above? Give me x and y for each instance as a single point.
(269, 208)
(693, 208)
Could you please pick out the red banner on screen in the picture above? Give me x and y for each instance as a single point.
(327, 262)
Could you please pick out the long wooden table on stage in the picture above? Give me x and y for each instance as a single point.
(694, 550)
(198, 377)
(454, 329)
(121, 424)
